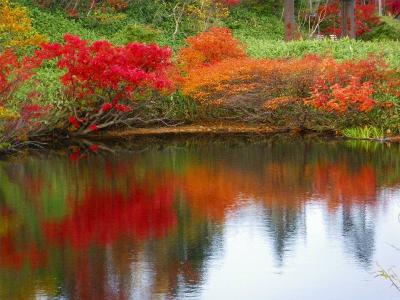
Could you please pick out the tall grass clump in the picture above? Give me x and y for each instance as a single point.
(366, 132)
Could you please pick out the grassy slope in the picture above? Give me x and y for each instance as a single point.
(260, 30)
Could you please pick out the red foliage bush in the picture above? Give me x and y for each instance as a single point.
(105, 79)
(14, 73)
(18, 120)
(104, 71)
(341, 86)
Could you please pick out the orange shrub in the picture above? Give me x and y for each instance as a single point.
(341, 86)
(16, 29)
(356, 95)
(245, 81)
(323, 83)
(210, 47)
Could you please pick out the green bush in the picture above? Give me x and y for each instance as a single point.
(99, 19)
(255, 24)
(55, 24)
(136, 33)
(388, 30)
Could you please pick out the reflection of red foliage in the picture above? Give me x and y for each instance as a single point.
(33, 186)
(12, 257)
(104, 217)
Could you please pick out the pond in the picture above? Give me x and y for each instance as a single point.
(221, 218)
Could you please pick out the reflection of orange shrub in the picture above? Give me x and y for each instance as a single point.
(213, 192)
(210, 192)
(210, 47)
(341, 186)
(336, 183)
(286, 185)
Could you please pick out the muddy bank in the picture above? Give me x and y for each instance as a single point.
(191, 129)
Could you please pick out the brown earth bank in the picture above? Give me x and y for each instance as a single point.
(191, 129)
(225, 128)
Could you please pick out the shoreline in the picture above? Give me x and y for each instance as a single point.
(221, 129)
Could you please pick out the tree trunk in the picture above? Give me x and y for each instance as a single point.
(290, 23)
(348, 21)
(379, 4)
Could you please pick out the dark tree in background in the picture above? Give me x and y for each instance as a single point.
(347, 15)
(290, 22)
(348, 18)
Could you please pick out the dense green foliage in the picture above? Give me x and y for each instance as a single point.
(389, 29)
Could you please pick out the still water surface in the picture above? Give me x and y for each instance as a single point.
(205, 219)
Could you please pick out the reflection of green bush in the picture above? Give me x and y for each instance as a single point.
(381, 157)
(53, 194)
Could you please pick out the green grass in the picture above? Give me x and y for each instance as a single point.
(342, 49)
(55, 24)
(366, 132)
(255, 24)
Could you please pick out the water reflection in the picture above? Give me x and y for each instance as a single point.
(157, 223)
